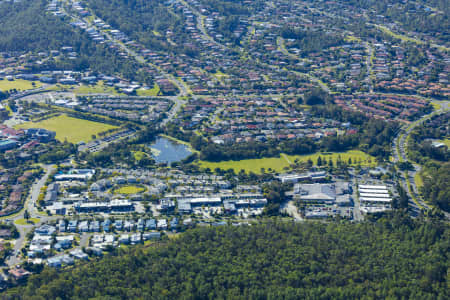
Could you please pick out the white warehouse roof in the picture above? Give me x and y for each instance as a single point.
(373, 191)
(372, 195)
(373, 187)
(372, 199)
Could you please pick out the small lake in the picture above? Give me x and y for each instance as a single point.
(168, 151)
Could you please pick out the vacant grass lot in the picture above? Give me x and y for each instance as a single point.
(18, 84)
(73, 129)
(129, 190)
(30, 221)
(99, 88)
(279, 163)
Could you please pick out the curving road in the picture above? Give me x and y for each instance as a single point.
(30, 206)
(400, 145)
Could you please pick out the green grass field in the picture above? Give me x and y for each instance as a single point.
(99, 88)
(401, 37)
(151, 92)
(436, 106)
(220, 76)
(18, 84)
(73, 129)
(129, 190)
(61, 87)
(138, 155)
(446, 142)
(30, 221)
(279, 163)
(418, 180)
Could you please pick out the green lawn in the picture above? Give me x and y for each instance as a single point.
(73, 129)
(18, 84)
(279, 163)
(138, 155)
(401, 37)
(436, 106)
(30, 221)
(61, 87)
(352, 38)
(220, 76)
(418, 180)
(129, 190)
(446, 142)
(151, 92)
(99, 88)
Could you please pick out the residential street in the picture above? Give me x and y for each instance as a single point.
(30, 206)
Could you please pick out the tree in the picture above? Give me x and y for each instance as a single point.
(319, 161)
(403, 198)
(309, 260)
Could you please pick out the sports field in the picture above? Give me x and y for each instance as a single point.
(73, 129)
(18, 84)
(279, 163)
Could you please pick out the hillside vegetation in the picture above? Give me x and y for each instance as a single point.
(27, 27)
(393, 258)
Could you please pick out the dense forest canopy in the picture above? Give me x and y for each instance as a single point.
(27, 27)
(145, 21)
(391, 258)
(310, 41)
(420, 16)
(420, 145)
(436, 187)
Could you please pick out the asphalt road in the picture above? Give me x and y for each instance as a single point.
(30, 206)
(200, 25)
(292, 210)
(400, 154)
(179, 102)
(357, 215)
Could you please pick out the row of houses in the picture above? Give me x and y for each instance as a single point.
(14, 138)
(108, 225)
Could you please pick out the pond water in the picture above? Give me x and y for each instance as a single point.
(168, 151)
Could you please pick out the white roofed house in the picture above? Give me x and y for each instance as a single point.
(162, 224)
